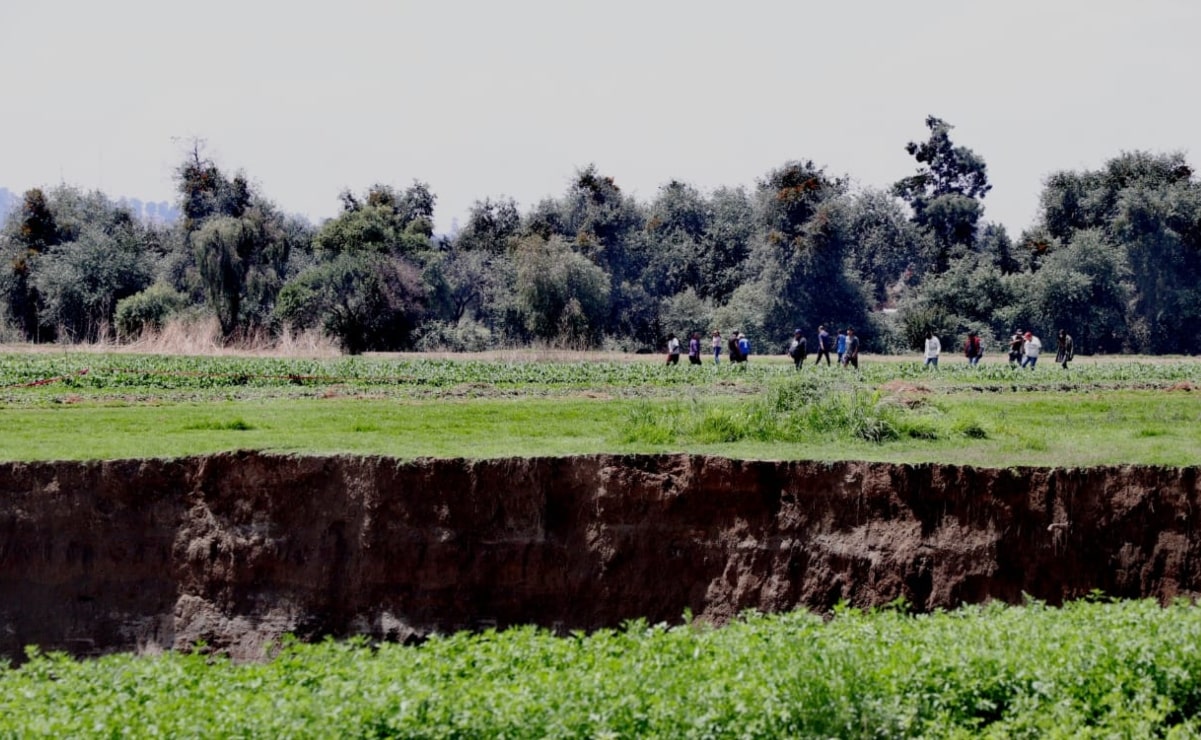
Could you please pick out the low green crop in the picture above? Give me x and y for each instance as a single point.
(24, 376)
(1090, 669)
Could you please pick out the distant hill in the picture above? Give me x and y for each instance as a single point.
(160, 212)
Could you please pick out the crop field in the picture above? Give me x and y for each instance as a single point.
(87, 406)
(1093, 668)
(1089, 669)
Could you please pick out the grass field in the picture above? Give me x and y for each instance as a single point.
(92, 406)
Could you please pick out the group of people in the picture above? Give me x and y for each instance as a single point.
(845, 345)
(1024, 349)
(973, 349)
(738, 345)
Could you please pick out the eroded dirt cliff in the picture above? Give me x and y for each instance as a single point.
(238, 549)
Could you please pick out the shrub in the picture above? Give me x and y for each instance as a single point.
(149, 309)
(464, 335)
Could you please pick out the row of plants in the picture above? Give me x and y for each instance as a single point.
(86, 371)
(1088, 669)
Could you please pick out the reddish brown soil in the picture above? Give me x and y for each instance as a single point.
(237, 549)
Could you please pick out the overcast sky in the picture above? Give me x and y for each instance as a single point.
(486, 99)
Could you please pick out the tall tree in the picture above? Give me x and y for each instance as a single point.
(887, 251)
(384, 221)
(946, 192)
(677, 220)
(1083, 288)
(366, 289)
(563, 295)
(1147, 206)
(797, 272)
(239, 243)
(32, 230)
(73, 256)
(491, 226)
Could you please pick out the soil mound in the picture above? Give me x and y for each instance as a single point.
(238, 549)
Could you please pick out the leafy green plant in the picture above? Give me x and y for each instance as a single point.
(1094, 668)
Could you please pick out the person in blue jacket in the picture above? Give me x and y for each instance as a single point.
(840, 346)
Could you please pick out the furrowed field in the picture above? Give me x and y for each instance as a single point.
(1095, 668)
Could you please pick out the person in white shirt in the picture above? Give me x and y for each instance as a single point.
(933, 347)
(673, 350)
(1030, 350)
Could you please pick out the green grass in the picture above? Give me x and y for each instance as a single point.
(1041, 429)
(483, 428)
(1127, 669)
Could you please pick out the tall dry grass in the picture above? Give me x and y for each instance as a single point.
(198, 337)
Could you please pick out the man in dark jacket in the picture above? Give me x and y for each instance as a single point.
(824, 345)
(1064, 351)
(797, 349)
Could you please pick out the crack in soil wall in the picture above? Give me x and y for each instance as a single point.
(238, 549)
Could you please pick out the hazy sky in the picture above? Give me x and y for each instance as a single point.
(485, 99)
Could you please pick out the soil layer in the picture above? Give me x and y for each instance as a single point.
(238, 549)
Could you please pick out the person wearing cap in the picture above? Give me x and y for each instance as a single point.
(797, 349)
(1030, 349)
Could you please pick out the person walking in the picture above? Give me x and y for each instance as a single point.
(933, 348)
(1031, 347)
(694, 349)
(823, 346)
(732, 345)
(840, 344)
(673, 350)
(798, 350)
(1016, 342)
(716, 347)
(744, 346)
(851, 356)
(1064, 349)
(973, 349)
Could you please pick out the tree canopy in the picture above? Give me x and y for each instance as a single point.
(1114, 257)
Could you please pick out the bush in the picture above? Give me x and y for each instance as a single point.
(149, 309)
(464, 335)
(9, 334)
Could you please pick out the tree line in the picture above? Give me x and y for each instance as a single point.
(1114, 256)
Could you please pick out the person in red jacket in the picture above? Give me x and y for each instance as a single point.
(973, 349)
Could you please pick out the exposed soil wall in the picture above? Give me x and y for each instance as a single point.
(237, 549)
